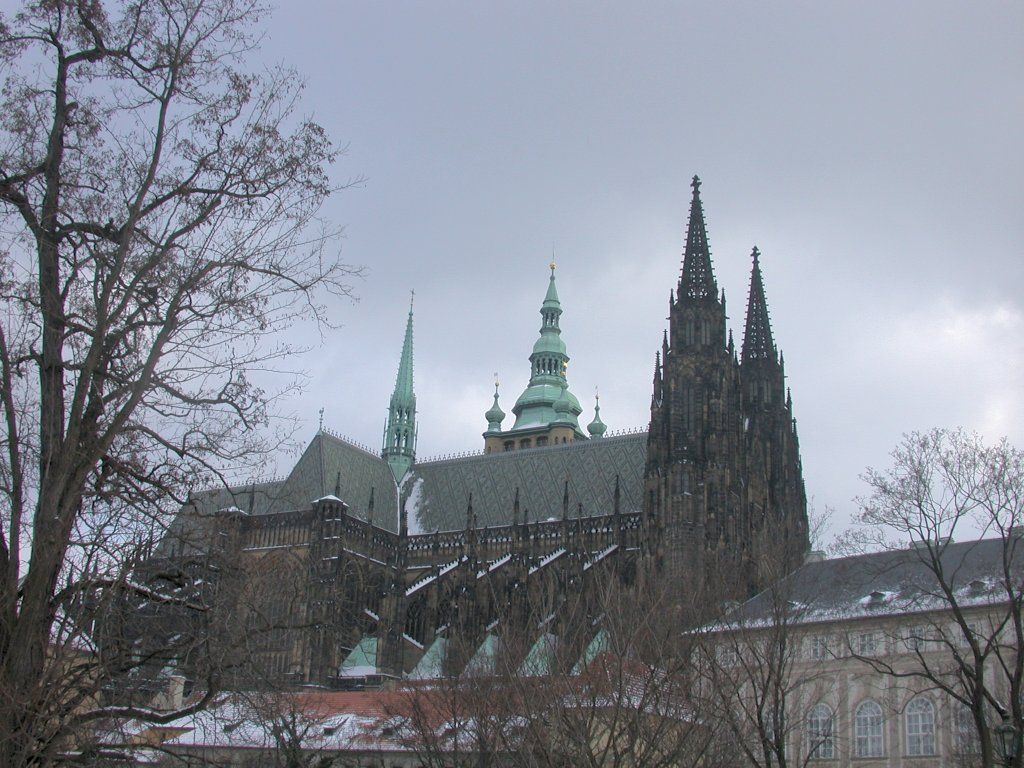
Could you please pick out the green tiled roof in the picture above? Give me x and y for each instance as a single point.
(362, 660)
(540, 660)
(485, 659)
(539, 473)
(431, 664)
(596, 646)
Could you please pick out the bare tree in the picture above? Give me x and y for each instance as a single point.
(604, 682)
(754, 682)
(159, 221)
(969, 639)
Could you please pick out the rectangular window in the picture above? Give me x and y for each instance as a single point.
(727, 656)
(975, 629)
(865, 644)
(918, 638)
(820, 647)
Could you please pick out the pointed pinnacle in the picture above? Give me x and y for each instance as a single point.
(698, 279)
(757, 334)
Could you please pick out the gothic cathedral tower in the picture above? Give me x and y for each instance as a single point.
(723, 464)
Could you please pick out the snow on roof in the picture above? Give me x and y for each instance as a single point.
(334, 721)
(888, 583)
(362, 661)
(495, 564)
(600, 556)
(548, 559)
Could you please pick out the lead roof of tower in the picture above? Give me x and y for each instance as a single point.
(698, 278)
(757, 335)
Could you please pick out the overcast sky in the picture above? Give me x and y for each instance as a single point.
(872, 151)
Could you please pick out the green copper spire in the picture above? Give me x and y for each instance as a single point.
(597, 428)
(548, 363)
(400, 432)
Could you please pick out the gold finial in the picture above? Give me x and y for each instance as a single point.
(496, 382)
(552, 265)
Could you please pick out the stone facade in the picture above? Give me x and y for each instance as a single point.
(859, 633)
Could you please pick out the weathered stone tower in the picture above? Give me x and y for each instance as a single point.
(723, 460)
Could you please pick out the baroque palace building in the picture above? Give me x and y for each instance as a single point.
(415, 568)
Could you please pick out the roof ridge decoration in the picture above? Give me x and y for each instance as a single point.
(350, 441)
(697, 281)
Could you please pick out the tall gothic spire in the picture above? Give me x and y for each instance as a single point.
(698, 279)
(400, 432)
(757, 336)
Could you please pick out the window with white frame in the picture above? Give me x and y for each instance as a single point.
(868, 734)
(820, 647)
(920, 723)
(865, 644)
(821, 739)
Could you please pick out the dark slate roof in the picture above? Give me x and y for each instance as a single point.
(889, 582)
(329, 465)
(439, 489)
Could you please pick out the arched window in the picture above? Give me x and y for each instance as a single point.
(920, 723)
(868, 736)
(821, 739)
(966, 732)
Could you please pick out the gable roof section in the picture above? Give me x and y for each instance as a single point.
(539, 473)
(328, 464)
(883, 583)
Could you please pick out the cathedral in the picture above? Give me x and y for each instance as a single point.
(415, 569)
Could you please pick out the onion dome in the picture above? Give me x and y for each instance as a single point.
(494, 415)
(597, 428)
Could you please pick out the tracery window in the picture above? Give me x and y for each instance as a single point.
(868, 736)
(821, 739)
(920, 724)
